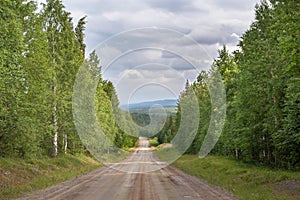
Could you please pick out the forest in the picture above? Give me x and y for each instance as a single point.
(262, 83)
(42, 51)
(40, 55)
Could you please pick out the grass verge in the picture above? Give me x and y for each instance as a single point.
(245, 181)
(19, 177)
(167, 154)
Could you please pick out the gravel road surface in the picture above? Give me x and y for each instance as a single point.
(140, 176)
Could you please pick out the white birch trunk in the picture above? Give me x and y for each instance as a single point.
(236, 153)
(54, 111)
(65, 142)
(55, 145)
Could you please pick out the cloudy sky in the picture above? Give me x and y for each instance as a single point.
(180, 38)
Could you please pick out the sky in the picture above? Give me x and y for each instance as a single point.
(149, 48)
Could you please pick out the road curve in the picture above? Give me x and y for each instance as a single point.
(140, 176)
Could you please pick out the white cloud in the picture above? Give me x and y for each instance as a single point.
(210, 23)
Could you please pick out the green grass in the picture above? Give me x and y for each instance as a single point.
(167, 154)
(245, 181)
(19, 177)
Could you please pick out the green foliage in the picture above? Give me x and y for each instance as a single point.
(167, 133)
(40, 55)
(79, 31)
(117, 125)
(187, 119)
(265, 72)
(13, 84)
(142, 119)
(153, 142)
(202, 93)
(262, 91)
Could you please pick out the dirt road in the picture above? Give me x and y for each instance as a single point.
(139, 177)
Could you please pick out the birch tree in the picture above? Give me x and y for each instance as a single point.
(65, 59)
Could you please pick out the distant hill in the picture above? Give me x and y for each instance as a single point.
(166, 103)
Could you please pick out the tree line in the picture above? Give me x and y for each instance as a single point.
(262, 83)
(41, 52)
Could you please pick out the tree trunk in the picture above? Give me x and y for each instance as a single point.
(236, 154)
(55, 145)
(65, 143)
